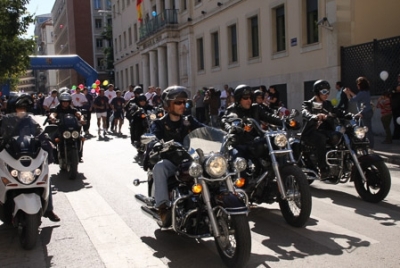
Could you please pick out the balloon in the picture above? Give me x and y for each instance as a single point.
(94, 85)
(398, 120)
(81, 86)
(384, 75)
(97, 82)
(154, 13)
(93, 91)
(105, 82)
(73, 87)
(72, 91)
(334, 102)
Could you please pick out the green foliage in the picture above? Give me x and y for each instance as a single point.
(14, 49)
(108, 51)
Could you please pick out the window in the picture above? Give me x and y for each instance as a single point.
(280, 28)
(108, 4)
(254, 38)
(98, 23)
(232, 42)
(130, 36)
(115, 45)
(100, 62)
(312, 18)
(135, 34)
(124, 39)
(215, 49)
(200, 54)
(120, 43)
(196, 2)
(97, 4)
(99, 43)
(123, 4)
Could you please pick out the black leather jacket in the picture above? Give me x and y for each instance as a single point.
(309, 112)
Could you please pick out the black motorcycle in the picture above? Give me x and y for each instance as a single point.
(66, 135)
(349, 159)
(271, 174)
(204, 202)
(139, 122)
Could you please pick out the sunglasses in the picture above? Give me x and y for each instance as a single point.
(179, 102)
(324, 92)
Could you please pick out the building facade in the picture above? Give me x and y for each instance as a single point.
(288, 43)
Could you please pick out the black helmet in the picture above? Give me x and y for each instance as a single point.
(240, 91)
(173, 93)
(141, 97)
(320, 85)
(65, 97)
(17, 101)
(257, 93)
(137, 90)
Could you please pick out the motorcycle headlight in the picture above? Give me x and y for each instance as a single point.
(240, 164)
(66, 135)
(280, 140)
(153, 117)
(75, 134)
(14, 173)
(26, 177)
(359, 132)
(216, 165)
(195, 170)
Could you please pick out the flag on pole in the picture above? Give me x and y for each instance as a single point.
(139, 10)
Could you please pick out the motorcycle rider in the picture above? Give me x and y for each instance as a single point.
(18, 122)
(135, 123)
(244, 107)
(172, 126)
(65, 108)
(319, 127)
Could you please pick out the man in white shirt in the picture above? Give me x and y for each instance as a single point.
(51, 101)
(78, 98)
(110, 94)
(129, 94)
(151, 92)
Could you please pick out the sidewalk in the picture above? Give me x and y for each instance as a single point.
(390, 152)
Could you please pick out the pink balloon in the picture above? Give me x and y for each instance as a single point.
(97, 82)
(93, 91)
(81, 86)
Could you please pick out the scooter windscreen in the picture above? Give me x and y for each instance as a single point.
(19, 146)
(68, 122)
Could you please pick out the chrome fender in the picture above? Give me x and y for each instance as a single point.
(28, 203)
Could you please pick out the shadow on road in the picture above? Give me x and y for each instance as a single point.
(387, 214)
(62, 183)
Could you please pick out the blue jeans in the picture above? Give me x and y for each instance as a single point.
(161, 172)
(367, 121)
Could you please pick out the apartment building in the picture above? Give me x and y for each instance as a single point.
(288, 43)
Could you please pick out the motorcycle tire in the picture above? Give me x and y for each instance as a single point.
(30, 231)
(378, 182)
(235, 230)
(73, 164)
(296, 208)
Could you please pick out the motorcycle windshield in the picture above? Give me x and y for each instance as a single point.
(208, 139)
(68, 122)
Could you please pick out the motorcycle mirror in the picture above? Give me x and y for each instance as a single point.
(147, 138)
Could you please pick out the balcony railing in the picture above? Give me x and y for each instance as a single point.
(153, 25)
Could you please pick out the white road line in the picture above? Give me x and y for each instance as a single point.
(117, 245)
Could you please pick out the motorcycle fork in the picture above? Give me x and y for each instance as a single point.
(355, 159)
(275, 166)
(207, 200)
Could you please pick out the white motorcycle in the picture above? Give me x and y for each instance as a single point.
(24, 187)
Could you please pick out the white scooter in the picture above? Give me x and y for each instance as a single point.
(24, 186)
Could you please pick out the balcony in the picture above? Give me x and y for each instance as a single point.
(168, 17)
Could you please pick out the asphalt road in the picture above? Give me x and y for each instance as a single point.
(102, 226)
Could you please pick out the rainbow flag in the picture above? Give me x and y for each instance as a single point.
(139, 10)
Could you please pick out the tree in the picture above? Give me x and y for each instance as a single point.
(14, 49)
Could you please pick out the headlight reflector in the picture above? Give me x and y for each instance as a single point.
(359, 132)
(216, 165)
(240, 164)
(67, 134)
(26, 177)
(195, 170)
(280, 140)
(75, 134)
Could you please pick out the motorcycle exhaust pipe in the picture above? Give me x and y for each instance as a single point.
(152, 213)
(145, 200)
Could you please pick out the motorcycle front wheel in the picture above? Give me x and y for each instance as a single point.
(29, 231)
(296, 208)
(378, 183)
(73, 164)
(234, 242)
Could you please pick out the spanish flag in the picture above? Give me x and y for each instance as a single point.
(139, 10)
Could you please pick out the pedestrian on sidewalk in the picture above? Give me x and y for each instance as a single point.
(386, 115)
(395, 102)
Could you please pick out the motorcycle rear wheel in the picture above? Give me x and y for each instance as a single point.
(378, 183)
(296, 208)
(30, 231)
(234, 242)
